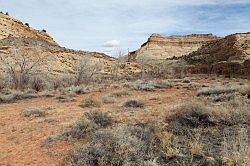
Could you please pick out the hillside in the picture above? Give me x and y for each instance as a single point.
(226, 56)
(160, 47)
(11, 27)
(18, 40)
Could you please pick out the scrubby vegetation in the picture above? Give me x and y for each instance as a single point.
(148, 85)
(10, 96)
(108, 100)
(133, 104)
(91, 102)
(198, 133)
(36, 112)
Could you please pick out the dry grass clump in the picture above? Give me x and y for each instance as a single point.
(192, 115)
(216, 91)
(200, 131)
(76, 90)
(245, 91)
(13, 96)
(121, 145)
(34, 113)
(99, 118)
(134, 104)
(120, 94)
(148, 85)
(235, 148)
(91, 102)
(81, 129)
(108, 100)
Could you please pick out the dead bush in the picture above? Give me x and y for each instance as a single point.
(81, 129)
(37, 84)
(120, 94)
(134, 104)
(34, 113)
(90, 102)
(122, 145)
(108, 100)
(216, 91)
(148, 86)
(99, 118)
(76, 90)
(13, 96)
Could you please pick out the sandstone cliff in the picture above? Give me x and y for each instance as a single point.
(11, 27)
(159, 47)
(19, 41)
(226, 56)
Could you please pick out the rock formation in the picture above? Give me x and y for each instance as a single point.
(19, 41)
(159, 47)
(227, 56)
(11, 27)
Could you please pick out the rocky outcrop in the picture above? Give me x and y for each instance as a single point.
(227, 56)
(11, 27)
(160, 47)
(19, 41)
(56, 60)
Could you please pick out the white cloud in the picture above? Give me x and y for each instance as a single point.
(111, 43)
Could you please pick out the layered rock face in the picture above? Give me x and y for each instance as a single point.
(159, 47)
(11, 27)
(53, 59)
(227, 56)
(19, 42)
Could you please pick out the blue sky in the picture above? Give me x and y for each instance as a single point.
(111, 25)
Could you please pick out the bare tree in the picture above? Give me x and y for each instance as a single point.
(85, 70)
(20, 64)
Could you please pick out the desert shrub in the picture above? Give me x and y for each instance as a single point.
(108, 100)
(120, 94)
(228, 115)
(186, 81)
(80, 130)
(224, 97)
(90, 102)
(245, 91)
(147, 86)
(76, 90)
(33, 113)
(37, 84)
(134, 104)
(192, 115)
(99, 118)
(235, 147)
(122, 145)
(216, 91)
(13, 96)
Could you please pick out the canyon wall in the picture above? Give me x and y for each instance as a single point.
(160, 47)
(226, 56)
